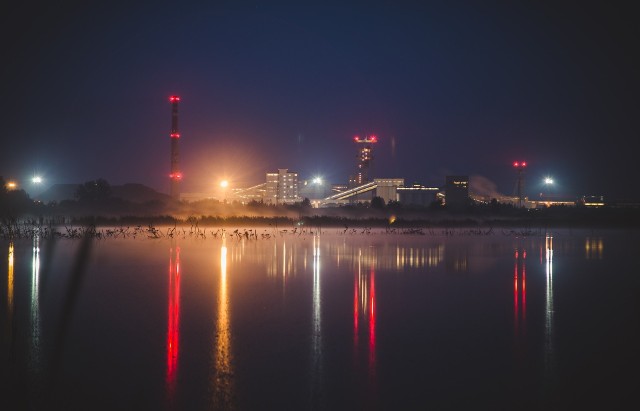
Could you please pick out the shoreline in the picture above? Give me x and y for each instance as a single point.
(162, 225)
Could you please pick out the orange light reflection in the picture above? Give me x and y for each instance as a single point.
(222, 378)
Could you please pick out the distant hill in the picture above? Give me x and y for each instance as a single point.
(136, 193)
(57, 193)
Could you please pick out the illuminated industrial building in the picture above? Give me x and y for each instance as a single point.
(248, 194)
(417, 195)
(365, 156)
(592, 201)
(457, 191)
(282, 187)
(386, 188)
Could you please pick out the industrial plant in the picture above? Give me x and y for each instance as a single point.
(284, 186)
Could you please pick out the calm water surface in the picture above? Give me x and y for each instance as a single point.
(548, 320)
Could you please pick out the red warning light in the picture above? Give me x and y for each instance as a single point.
(356, 138)
(175, 176)
(524, 164)
(516, 164)
(373, 139)
(175, 135)
(173, 99)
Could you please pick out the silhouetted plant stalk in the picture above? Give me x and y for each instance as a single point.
(12, 229)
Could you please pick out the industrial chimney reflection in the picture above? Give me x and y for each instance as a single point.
(173, 327)
(520, 291)
(364, 308)
(223, 373)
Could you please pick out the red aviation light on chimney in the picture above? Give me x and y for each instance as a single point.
(367, 139)
(175, 176)
(174, 99)
(516, 164)
(523, 164)
(175, 135)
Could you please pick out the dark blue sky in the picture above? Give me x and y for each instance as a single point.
(449, 87)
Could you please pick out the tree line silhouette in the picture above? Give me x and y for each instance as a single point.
(94, 200)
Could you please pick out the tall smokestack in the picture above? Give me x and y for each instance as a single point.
(364, 160)
(175, 175)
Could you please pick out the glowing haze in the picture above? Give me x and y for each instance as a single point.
(469, 88)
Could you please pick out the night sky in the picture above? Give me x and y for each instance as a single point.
(448, 87)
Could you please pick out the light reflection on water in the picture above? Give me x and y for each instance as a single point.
(549, 346)
(593, 248)
(35, 305)
(316, 332)
(418, 329)
(173, 319)
(222, 381)
(364, 306)
(520, 292)
(10, 282)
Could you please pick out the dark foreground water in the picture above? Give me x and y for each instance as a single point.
(454, 320)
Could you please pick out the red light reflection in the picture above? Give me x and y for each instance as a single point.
(519, 290)
(355, 310)
(372, 321)
(364, 306)
(173, 328)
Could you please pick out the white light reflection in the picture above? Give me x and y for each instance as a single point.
(282, 261)
(316, 337)
(432, 256)
(549, 347)
(35, 303)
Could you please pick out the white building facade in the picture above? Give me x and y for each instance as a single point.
(282, 187)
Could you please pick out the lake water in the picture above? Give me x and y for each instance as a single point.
(351, 319)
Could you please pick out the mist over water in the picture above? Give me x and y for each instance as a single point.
(337, 319)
